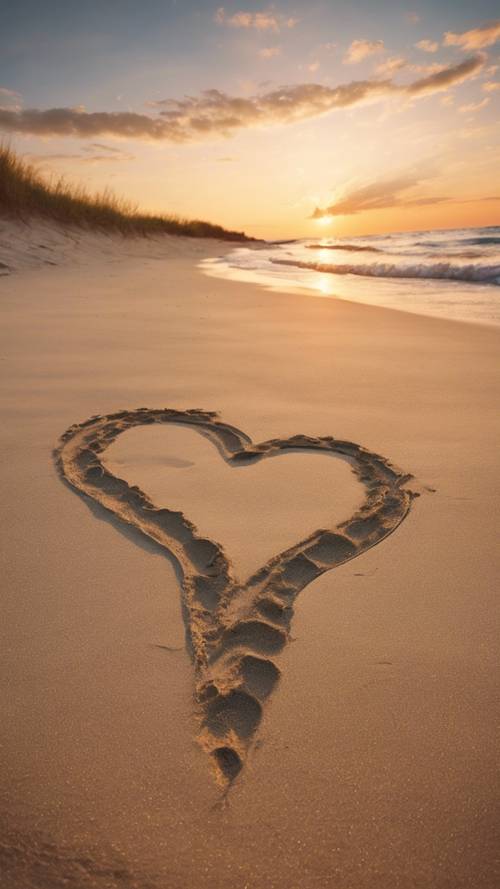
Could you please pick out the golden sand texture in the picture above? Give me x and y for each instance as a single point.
(234, 630)
(373, 764)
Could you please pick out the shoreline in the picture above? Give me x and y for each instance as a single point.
(298, 290)
(375, 754)
(63, 247)
(444, 279)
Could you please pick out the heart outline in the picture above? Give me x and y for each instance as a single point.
(234, 628)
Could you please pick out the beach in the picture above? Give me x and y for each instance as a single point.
(374, 762)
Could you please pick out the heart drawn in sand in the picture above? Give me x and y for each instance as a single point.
(235, 629)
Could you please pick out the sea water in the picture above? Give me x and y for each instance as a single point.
(446, 273)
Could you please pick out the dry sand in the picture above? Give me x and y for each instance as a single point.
(373, 766)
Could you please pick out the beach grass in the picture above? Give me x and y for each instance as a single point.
(24, 193)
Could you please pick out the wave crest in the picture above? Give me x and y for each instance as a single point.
(478, 274)
(358, 248)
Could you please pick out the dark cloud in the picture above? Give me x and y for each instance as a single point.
(214, 114)
(216, 111)
(87, 125)
(185, 120)
(449, 76)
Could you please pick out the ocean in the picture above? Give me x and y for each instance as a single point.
(452, 273)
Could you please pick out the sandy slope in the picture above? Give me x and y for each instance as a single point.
(374, 763)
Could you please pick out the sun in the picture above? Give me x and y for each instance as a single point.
(324, 220)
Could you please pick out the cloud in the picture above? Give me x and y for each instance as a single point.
(268, 52)
(379, 196)
(87, 125)
(491, 86)
(115, 157)
(99, 146)
(433, 68)
(42, 158)
(446, 77)
(392, 192)
(215, 114)
(261, 21)
(476, 38)
(361, 49)
(10, 100)
(412, 17)
(474, 106)
(313, 67)
(10, 94)
(390, 66)
(427, 45)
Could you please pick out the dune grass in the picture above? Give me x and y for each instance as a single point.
(24, 193)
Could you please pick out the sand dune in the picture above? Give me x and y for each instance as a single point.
(38, 244)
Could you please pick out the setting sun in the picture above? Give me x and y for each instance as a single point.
(394, 119)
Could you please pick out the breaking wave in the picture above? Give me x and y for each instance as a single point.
(355, 248)
(448, 271)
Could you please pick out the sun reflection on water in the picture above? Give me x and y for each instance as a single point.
(324, 285)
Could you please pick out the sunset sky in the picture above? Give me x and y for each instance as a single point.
(290, 119)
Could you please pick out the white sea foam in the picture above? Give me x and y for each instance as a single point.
(448, 271)
(449, 274)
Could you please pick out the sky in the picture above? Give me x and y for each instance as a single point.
(299, 119)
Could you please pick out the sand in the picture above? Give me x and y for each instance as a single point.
(370, 762)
